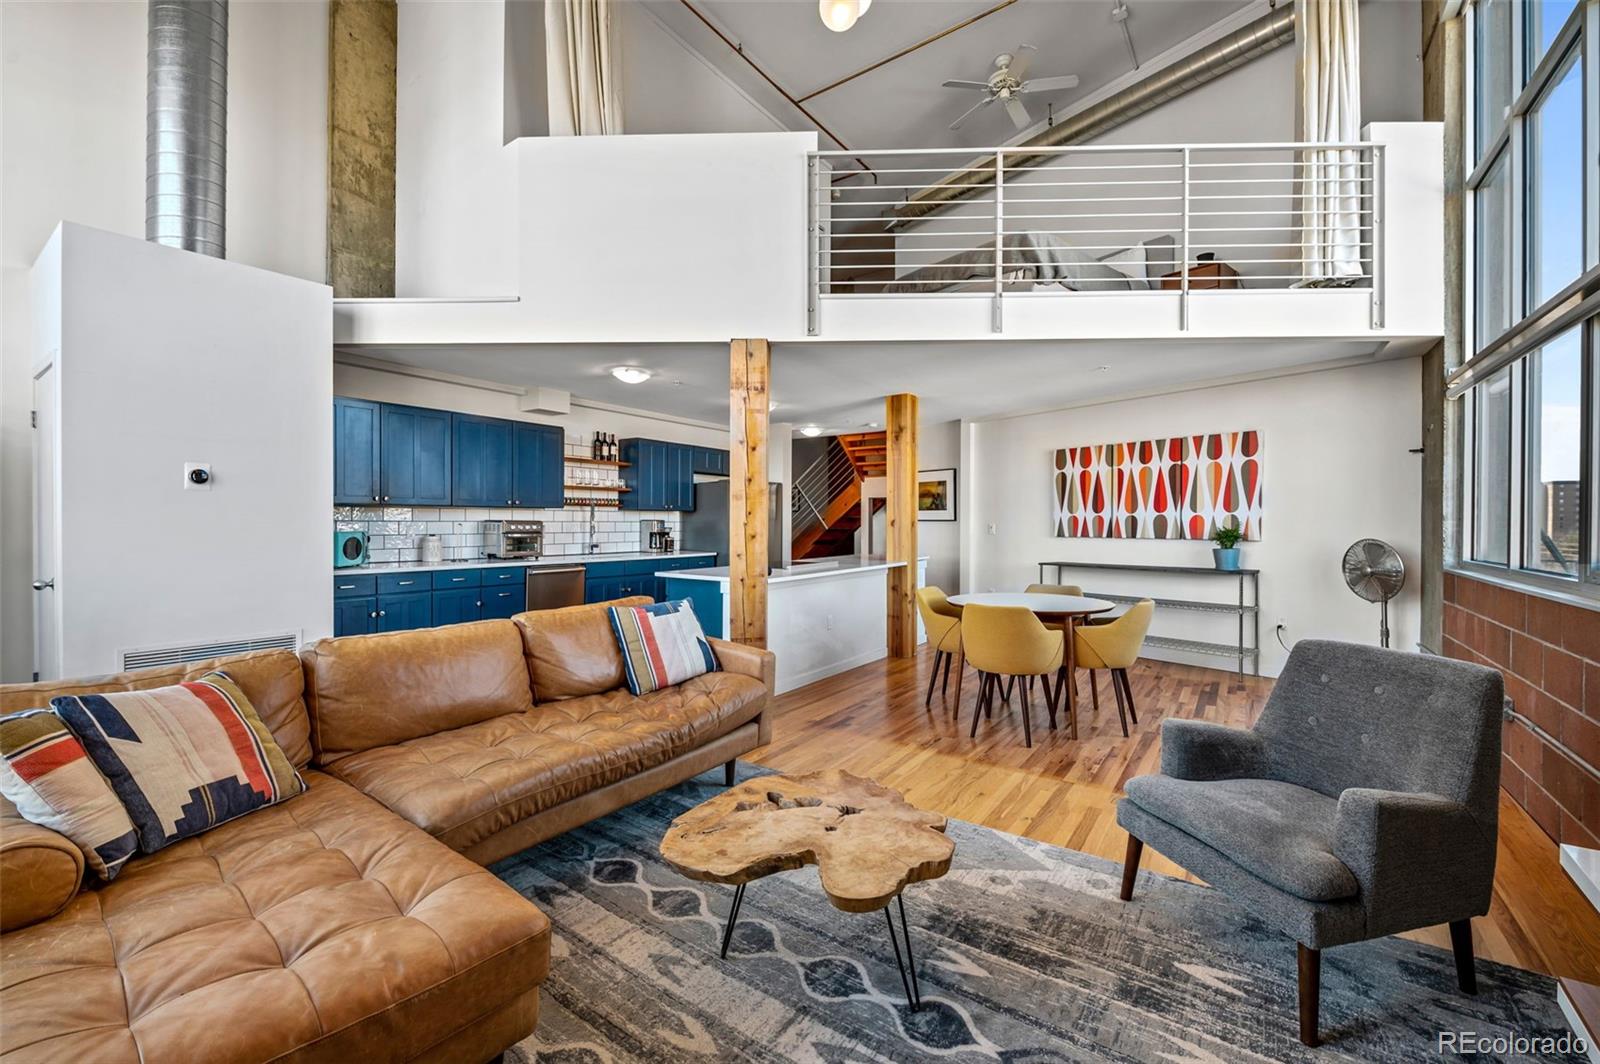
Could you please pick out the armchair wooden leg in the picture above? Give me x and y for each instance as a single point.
(1130, 866)
(1094, 691)
(933, 678)
(944, 685)
(1310, 992)
(1011, 681)
(979, 706)
(1026, 699)
(1050, 698)
(728, 771)
(961, 674)
(1461, 939)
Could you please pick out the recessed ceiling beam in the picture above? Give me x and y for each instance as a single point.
(902, 53)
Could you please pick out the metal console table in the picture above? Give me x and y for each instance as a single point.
(1244, 608)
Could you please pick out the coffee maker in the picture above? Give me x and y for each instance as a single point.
(655, 536)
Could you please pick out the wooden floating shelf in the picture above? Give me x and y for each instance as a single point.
(593, 487)
(596, 461)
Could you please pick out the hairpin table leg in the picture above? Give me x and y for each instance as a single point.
(913, 991)
(733, 917)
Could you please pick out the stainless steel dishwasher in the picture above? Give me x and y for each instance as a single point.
(550, 588)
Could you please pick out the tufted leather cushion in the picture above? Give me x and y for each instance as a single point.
(324, 928)
(369, 691)
(573, 651)
(270, 679)
(465, 785)
(40, 870)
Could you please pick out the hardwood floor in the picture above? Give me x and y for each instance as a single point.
(871, 721)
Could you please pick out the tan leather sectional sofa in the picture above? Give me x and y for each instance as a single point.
(355, 922)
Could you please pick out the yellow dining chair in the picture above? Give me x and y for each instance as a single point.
(1009, 641)
(1054, 589)
(1114, 646)
(942, 622)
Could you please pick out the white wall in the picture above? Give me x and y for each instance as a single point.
(668, 87)
(939, 447)
(455, 193)
(1335, 468)
(164, 358)
(72, 93)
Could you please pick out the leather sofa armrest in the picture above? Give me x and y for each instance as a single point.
(1200, 750)
(41, 870)
(754, 662)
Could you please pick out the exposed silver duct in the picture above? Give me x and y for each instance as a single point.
(1264, 35)
(186, 125)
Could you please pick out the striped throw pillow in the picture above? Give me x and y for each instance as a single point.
(48, 776)
(183, 759)
(662, 645)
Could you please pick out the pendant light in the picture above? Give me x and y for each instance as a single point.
(840, 15)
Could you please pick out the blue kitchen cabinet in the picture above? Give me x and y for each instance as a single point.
(539, 478)
(398, 613)
(355, 453)
(355, 616)
(457, 605)
(506, 601)
(483, 465)
(712, 461)
(659, 475)
(414, 456)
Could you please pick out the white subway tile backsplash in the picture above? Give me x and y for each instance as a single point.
(395, 532)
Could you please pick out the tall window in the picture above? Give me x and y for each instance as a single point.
(1530, 385)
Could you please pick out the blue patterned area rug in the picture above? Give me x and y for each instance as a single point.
(1024, 952)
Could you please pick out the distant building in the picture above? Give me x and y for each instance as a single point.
(1561, 512)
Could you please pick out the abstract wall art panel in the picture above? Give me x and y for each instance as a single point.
(1180, 487)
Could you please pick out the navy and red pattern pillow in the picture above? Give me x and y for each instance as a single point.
(662, 645)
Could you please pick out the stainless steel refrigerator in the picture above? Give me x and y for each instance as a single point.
(706, 526)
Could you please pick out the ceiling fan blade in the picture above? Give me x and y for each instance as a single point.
(956, 83)
(1019, 114)
(1020, 60)
(980, 105)
(1065, 81)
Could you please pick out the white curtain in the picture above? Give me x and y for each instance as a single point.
(1330, 110)
(582, 68)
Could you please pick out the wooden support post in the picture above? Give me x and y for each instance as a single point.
(901, 524)
(748, 374)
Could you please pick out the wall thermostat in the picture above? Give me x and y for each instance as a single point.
(197, 476)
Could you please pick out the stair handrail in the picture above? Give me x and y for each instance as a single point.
(821, 482)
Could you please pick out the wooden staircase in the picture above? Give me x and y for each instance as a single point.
(837, 477)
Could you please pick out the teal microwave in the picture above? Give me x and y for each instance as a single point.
(349, 548)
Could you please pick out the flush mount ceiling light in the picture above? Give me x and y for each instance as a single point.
(811, 430)
(630, 374)
(840, 15)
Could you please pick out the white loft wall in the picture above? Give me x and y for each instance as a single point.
(72, 91)
(164, 358)
(939, 447)
(362, 382)
(1335, 469)
(455, 180)
(668, 87)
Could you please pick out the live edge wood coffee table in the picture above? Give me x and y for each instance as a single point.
(867, 842)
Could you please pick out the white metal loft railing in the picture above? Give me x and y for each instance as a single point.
(819, 485)
(1095, 219)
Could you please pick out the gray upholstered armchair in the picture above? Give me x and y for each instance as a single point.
(1363, 802)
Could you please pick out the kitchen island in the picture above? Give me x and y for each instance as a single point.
(823, 617)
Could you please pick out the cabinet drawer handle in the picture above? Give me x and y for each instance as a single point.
(478, 604)
(374, 613)
(386, 498)
(407, 583)
(347, 587)
(376, 499)
(382, 613)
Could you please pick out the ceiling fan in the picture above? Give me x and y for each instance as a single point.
(1007, 84)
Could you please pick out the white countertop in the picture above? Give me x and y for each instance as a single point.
(814, 570)
(492, 563)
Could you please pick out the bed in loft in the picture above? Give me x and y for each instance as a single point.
(1039, 258)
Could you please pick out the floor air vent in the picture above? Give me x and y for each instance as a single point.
(147, 657)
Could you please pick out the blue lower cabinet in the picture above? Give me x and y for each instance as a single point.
(355, 616)
(456, 606)
(705, 596)
(398, 613)
(503, 601)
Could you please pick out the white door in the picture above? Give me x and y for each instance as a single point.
(46, 620)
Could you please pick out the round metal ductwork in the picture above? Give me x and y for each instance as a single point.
(186, 125)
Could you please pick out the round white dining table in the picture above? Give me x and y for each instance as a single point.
(1068, 608)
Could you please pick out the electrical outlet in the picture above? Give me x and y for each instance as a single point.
(992, 527)
(830, 622)
(197, 476)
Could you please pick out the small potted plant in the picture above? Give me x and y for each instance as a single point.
(1226, 551)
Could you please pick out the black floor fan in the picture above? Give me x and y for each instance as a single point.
(1374, 571)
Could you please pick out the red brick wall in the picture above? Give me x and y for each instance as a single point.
(1550, 655)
